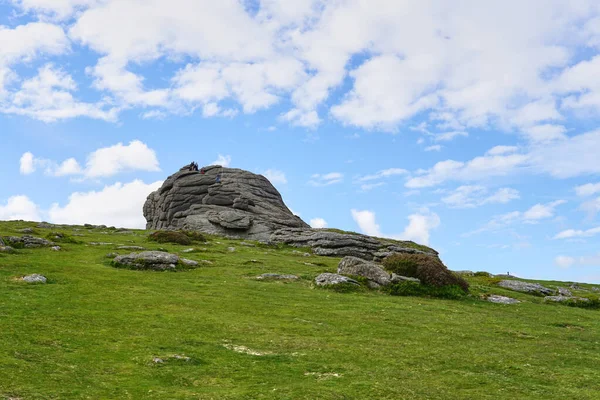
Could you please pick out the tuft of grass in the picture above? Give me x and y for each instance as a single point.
(451, 292)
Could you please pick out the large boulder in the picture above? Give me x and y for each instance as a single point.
(147, 260)
(28, 241)
(367, 269)
(241, 204)
(526, 287)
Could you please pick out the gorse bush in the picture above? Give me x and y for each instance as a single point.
(429, 269)
(593, 304)
(176, 237)
(483, 273)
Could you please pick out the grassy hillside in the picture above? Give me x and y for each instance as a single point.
(94, 331)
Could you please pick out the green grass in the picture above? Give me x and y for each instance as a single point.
(93, 331)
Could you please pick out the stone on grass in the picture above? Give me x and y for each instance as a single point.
(400, 278)
(526, 287)
(247, 244)
(564, 292)
(188, 250)
(35, 278)
(189, 263)
(328, 278)
(148, 260)
(28, 241)
(7, 249)
(231, 249)
(370, 270)
(560, 299)
(112, 255)
(501, 299)
(56, 248)
(276, 277)
(26, 230)
(130, 248)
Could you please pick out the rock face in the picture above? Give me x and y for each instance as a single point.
(224, 201)
(526, 287)
(335, 244)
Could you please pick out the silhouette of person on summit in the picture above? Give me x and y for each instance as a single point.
(218, 178)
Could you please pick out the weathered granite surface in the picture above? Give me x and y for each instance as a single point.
(240, 204)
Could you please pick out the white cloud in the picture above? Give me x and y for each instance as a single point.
(447, 136)
(119, 205)
(318, 223)
(104, 162)
(326, 179)
(222, 160)
(573, 233)
(418, 229)
(588, 189)
(435, 147)
(275, 176)
(386, 173)
(564, 261)
(27, 164)
(59, 9)
(366, 222)
(500, 150)
(475, 196)
(365, 187)
(49, 97)
(20, 207)
(541, 211)
(533, 215)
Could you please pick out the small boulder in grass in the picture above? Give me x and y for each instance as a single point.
(35, 278)
(281, 277)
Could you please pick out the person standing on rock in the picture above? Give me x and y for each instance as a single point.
(218, 178)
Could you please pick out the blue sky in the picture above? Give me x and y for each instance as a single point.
(470, 127)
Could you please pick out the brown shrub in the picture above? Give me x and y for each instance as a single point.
(429, 269)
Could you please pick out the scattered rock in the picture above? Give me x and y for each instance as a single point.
(268, 276)
(595, 289)
(26, 230)
(157, 360)
(247, 244)
(189, 263)
(371, 271)
(35, 278)
(560, 299)
(575, 286)
(323, 375)
(245, 350)
(207, 262)
(501, 299)
(7, 249)
(526, 287)
(28, 241)
(188, 250)
(44, 225)
(101, 244)
(130, 248)
(148, 260)
(56, 248)
(399, 278)
(564, 292)
(231, 249)
(112, 255)
(327, 278)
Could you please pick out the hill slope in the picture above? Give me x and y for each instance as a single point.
(215, 332)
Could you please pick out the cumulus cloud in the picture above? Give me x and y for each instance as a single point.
(415, 59)
(435, 147)
(275, 176)
(574, 233)
(532, 215)
(119, 205)
(475, 196)
(588, 189)
(20, 207)
(222, 160)
(418, 229)
(386, 173)
(326, 179)
(568, 261)
(104, 162)
(318, 223)
(27, 164)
